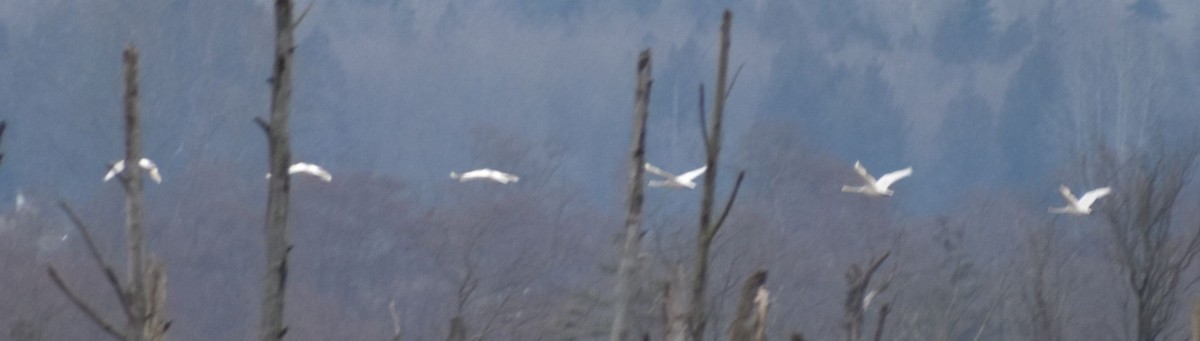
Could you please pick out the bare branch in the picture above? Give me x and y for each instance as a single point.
(3, 125)
(91, 313)
(729, 203)
(703, 121)
(109, 274)
(734, 80)
(883, 314)
(303, 14)
(858, 280)
(266, 128)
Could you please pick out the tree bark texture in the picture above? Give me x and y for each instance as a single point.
(626, 283)
(277, 245)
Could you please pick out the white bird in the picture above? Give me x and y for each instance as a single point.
(310, 169)
(875, 188)
(685, 180)
(145, 163)
(485, 174)
(1081, 206)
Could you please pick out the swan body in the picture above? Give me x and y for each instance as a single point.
(145, 163)
(876, 187)
(685, 180)
(485, 174)
(1082, 205)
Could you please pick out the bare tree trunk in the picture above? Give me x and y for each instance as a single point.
(272, 327)
(747, 322)
(133, 198)
(675, 312)
(633, 222)
(708, 230)
(143, 298)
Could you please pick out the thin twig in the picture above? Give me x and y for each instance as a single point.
(109, 273)
(734, 80)
(3, 125)
(302, 14)
(729, 203)
(91, 313)
(266, 127)
(703, 121)
(883, 314)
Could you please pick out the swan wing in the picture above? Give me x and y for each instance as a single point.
(503, 177)
(310, 169)
(692, 174)
(1090, 197)
(155, 175)
(862, 172)
(890, 178)
(151, 168)
(298, 167)
(656, 171)
(475, 174)
(116, 168)
(1066, 194)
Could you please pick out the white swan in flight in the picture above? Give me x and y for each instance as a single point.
(145, 163)
(485, 174)
(1081, 206)
(875, 188)
(685, 180)
(310, 169)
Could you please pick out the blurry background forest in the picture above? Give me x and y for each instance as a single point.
(994, 104)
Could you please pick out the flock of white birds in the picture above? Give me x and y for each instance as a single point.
(872, 187)
(879, 187)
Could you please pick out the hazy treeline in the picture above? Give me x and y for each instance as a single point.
(993, 103)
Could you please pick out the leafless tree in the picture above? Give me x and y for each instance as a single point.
(1151, 249)
(280, 154)
(633, 222)
(708, 227)
(143, 296)
(858, 295)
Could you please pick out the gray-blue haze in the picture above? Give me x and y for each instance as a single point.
(978, 96)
